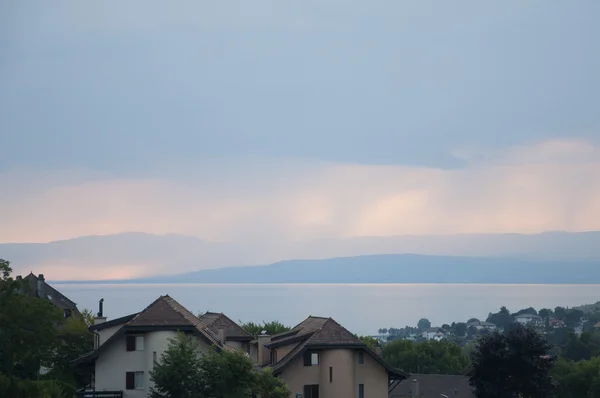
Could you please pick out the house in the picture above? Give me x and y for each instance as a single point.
(234, 335)
(319, 358)
(126, 348)
(436, 334)
(36, 286)
(529, 319)
(481, 325)
(433, 386)
(556, 323)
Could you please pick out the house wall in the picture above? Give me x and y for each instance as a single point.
(104, 334)
(115, 361)
(284, 350)
(347, 375)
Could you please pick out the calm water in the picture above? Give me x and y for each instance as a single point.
(361, 308)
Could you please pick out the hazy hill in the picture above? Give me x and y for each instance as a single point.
(139, 254)
(399, 268)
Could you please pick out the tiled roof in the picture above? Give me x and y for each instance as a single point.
(215, 321)
(167, 312)
(433, 386)
(318, 332)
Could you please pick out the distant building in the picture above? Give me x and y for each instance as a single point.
(436, 334)
(36, 286)
(481, 325)
(529, 319)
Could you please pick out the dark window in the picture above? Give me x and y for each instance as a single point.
(361, 391)
(130, 380)
(67, 313)
(311, 391)
(311, 358)
(361, 358)
(273, 357)
(330, 374)
(130, 343)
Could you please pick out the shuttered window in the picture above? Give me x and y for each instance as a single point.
(130, 343)
(130, 380)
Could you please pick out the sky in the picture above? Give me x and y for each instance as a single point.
(284, 121)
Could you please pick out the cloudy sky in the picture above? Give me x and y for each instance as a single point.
(272, 120)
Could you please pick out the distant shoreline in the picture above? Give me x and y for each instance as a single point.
(154, 282)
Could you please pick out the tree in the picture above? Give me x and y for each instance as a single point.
(29, 332)
(473, 320)
(472, 331)
(530, 311)
(545, 313)
(423, 324)
(515, 364)
(460, 329)
(577, 379)
(271, 328)
(578, 348)
(501, 319)
(371, 342)
(178, 373)
(183, 372)
(426, 357)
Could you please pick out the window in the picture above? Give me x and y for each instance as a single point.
(135, 343)
(134, 380)
(311, 391)
(273, 357)
(67, 313)
(361, 391)
(330, 374)
(361, 358)
(153, 357)
(311, 358)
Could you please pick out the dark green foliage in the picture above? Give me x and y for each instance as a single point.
(511, 365)
(502, 319)
(34, 333)
(577, 379)
(426, 357)
(371, 342)
(581, 348)
(460, 329)
(271, 328)
(183, 372)
(423, 324)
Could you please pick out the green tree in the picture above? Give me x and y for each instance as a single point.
(502, 319)
(426, 357)
(178, 373)
(460, 329)
(183, 372)
(579, 348)
(73, 340)
(577, 379)
(28, 328)
(371, 342)
(271, 328)
(423, 324)
(515, 364)
(545, 313)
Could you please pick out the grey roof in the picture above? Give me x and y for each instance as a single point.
(215, 321)
(433, 386)
(49, 293)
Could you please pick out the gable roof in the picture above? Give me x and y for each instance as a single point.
(165, 313)
(49, 293)
(215, 321)
(323, 333)
(434, 385)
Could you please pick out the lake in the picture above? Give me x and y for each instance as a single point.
(362, 308)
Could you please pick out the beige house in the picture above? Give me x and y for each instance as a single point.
(319, 358)
(127, 348)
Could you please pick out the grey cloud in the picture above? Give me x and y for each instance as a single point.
(126, 88)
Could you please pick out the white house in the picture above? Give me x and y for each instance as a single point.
(481, 325)
(529, 319)
(127, 348)
(434, 334)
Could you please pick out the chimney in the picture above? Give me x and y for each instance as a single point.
(221, 335)
(378, 349)
(264, 354)
(100, 318)
(19, 278)
(40, 286)
(415, 388)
